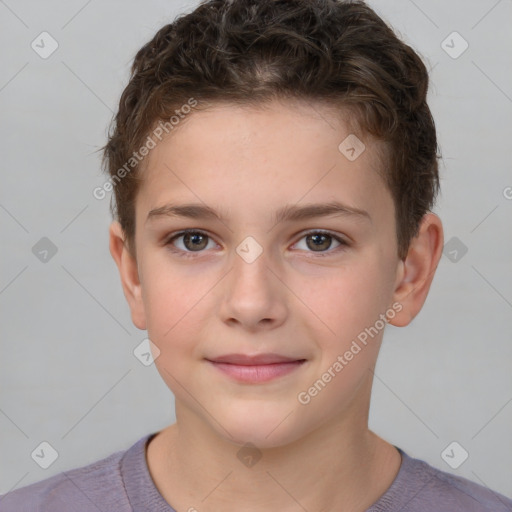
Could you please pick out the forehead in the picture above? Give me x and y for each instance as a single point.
(231, 156)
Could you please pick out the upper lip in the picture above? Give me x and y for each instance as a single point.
(253, 360)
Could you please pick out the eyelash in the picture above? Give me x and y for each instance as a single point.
(192, 254)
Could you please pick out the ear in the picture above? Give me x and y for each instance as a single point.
(129, 274)
(417, 270)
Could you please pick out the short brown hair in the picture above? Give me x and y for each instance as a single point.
(251, 51)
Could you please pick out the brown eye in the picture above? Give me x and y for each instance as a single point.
(192, 241)
(195, 241)
(320, 242)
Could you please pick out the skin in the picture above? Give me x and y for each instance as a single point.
(246, 163)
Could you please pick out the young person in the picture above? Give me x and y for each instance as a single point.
(274, 165)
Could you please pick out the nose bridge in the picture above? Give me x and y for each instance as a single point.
(253, 292)
(251, 274)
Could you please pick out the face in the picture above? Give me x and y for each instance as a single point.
(251, 280)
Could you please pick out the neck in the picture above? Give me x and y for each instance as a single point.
(341, 466)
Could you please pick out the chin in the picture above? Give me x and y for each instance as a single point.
(267, 428)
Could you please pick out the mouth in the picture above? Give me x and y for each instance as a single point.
(256, 368)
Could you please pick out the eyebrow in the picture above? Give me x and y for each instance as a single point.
(289, 213)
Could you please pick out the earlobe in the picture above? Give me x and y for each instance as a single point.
(417, 270)
(129, 273)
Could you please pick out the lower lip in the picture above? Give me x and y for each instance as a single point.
(257, 373)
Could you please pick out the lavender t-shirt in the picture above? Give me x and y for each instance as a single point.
(121, 483)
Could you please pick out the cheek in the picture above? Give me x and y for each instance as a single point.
(171, 301)
(172, 306)
(346, 300)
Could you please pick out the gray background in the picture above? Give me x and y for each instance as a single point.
(68, 373)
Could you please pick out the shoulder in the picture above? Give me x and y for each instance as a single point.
(420, 487)
(97, 486)
(467, 495)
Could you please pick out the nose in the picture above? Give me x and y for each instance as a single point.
(254, 296)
